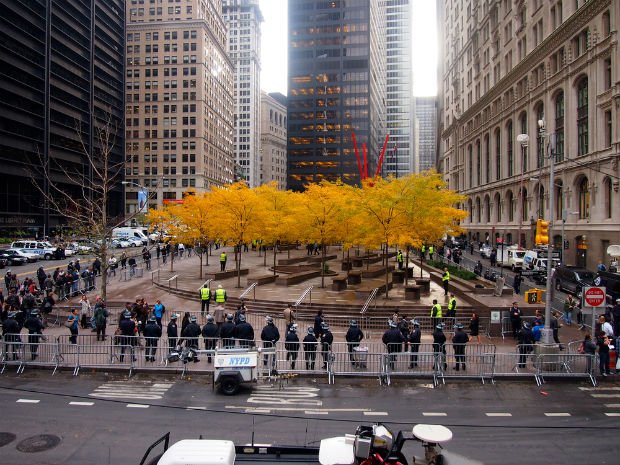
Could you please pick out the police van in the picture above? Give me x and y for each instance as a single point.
(43, 249)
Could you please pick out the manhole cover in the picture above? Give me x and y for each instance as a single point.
(6, 438)
(38, 443)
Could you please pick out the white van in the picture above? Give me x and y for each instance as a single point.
(42, 249)
(511, 257)
(125, 233)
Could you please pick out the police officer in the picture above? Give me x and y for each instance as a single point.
(172, 331)
(223, 259)
(34, 325)
(515, 319)
(400, 259)
(205, 298)
(393, 339)
(436, 313)
(270, 335)
(459, 340)
(431, 251)
(227, 332)
(152, 333)
(291, 345)
(445, 278)
(128, 331)
(439, 345)
(310, 345)
(210, 334)
(452, 306)
(415, 337)
(220, 295)
(327, 338)
(525, 338)
(190, 335)
(243, 332)
(10, 331)
(353, 337)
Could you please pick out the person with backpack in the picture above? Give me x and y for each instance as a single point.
(100, 316)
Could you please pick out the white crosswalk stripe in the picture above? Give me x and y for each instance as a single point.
(131, 390)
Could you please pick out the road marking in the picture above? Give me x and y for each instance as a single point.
(599, 396)
(498, 414)
(28, 401)
(557, 414)
(196, 408)
(434, 414)
(128, 390)
(137, 406)
(257, 410)
(290, 395)
(612, 405)
(613, 414)
(82, 403)
(599, 388)
(375, 414)
(296, 409)
(315, 412)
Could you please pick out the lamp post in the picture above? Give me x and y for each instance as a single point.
(523, 139)
(144, 208)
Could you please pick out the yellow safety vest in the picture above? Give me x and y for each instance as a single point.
(423, 248)
(438, 307)
(399, 257)
(446, 276)
(205, 293)
(220, 296)
(431, 249)
(223, 257)
(452, 304)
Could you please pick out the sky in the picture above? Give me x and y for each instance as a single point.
(274, 46)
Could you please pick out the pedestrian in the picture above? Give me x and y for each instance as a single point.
(601, 266)
(310, 346)
(72, 323)
(555, 328)
(439, 347)
(223, 259)
(112, 266)
(516, 283)
(164, 254)
(101, 318)
(445, 279)
(459, 340)
(525, 343)
(606, 327)
(515, 319)
(152, 333)
(493, 257)
(157, 252)
(85, 309)
(603, 343)
(128, 330)
(400, 259)
(205, 299)
(34, 325)
(241, 310)
(158, 311)
(220, 296)
(10, 333)
(436, 313)
(291, 345)
(393, 340)
(270, 335)
(172, 332)
(219, 315)
(353, 337)
(452, 306)
(227, 332)
(431, 251)
(327, 338)
(474, 327)
(589, 349)
(132, 266)
(123, 260)
(415, 338)
(289, 316)
(244, 332)
(181, 248)
(146, 257)
(318, 323)
(46, 306)
(210, 334)
(190, 336)
(615, 312)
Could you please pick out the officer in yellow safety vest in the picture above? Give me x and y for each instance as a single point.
(223, 259)
(436, 314)
(400, 259)
(423, 251)
(431, 251)
(452, 306)
(205, 298)
(220, 295)
(446, 280)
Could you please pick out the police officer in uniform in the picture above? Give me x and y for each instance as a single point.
(436, 313)
(220, 296)
(400, 259)
(172, 331)
(270, 335)
(291, 345)
(459, 340)
(393, 339)
(244, 332)
(205, 298)
(210, 333)
(445, 278)
(128, 331)
(452, 306)
(10, 331)
(526, 343)
(439, 345)
(34, 325)
(327, 338)
(227, 332)
(152, 333)
(415, 337)
(310, 345)
(190, 335)
(353, 337)
(223, 259)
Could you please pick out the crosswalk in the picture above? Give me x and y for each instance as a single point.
(603, 393)
(131, 390)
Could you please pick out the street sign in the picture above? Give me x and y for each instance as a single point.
(594, 296)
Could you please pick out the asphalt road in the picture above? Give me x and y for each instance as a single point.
(106, 419)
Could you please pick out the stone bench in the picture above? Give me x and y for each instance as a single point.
(220, 275)
(296, 278)
(354, 277)
(346, 265)
(291, 261)
(413, 292)
(319, 259)
(425, 284)
(398, 276)
(339, 283)
(262, 279)
(376, 271)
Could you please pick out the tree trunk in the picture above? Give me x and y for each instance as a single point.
(238, 266)
(171, 259)
(274, 262)
(322, 265)
(387, 272)
(200, 267)
(406, 265)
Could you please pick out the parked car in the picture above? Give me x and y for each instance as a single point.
(572, 279)
(13, 258)
(134, 242)
(30, 256)
(485, 251)
(120, 243)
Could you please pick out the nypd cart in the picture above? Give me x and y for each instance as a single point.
(233, 367)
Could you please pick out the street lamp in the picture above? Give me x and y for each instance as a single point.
(141, 208)
(522, 139)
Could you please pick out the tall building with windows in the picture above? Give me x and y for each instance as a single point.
(507, 65)
(401, 157)
(180, 107)
(61, 78)
(243, 19)
(273, 139)
(336, 85)
(426, 124)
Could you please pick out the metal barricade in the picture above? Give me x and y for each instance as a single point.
(564, 366)
(514, 364)
(420, 364)
(42, 354)
(299, 362)
(468, 361)
(507, 324)
(106, 355)
(13, 353)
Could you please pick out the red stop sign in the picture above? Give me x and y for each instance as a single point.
(594, 296)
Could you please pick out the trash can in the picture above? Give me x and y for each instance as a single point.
(360, 355)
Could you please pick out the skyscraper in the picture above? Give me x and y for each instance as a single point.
(179, 100)
(426, 122)
(336, 82)
(61, 78)
(243, 18)
(273, 139)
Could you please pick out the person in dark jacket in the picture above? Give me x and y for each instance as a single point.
(439, 345)
(292, 345)
(459, 340)
(184, 322)
(318, 322)
(353, 337)
(243, 332)
(100, 315)
(589, 348)
(34, 325)
(210, 334)
(474, 327)
(227, 332)
(152, 333)
(12, 339)
(310, 346)
(415, 337)
(526, 341)
(393, 340)
(270, 335)
(172, 331)
(603, 343)
(128, 331)
(190, 335)
(515, 319)
(327, 338)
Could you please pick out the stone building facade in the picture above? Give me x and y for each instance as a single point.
(273, 139)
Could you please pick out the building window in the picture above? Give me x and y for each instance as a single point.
(487, 161)
(559, 200)
(541, 201)
(470, 166)
(582, 116)
(478, 163)
(511, 207)
(478, 211)
(540, 141)
(487, 210)
(607, 73)
(608, 191)
(509, 144)
(498, 208)
(524, 153)
(498, 156)
(608, 128)
(559, 127)
(584, 199)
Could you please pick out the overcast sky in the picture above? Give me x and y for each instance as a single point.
(274, 46)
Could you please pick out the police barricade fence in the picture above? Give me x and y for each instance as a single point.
(300, 361)
(12, 351)
(467, 361)
(421, 364)
(507, 324)
(520, 363)
(38, 352)
(564, 366)
(484, 325)
(573, 346)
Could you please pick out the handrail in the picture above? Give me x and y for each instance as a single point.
(303, 296)
(205, 284)
(153, 273)
(251, 287)
(176, 282)
(373, 295)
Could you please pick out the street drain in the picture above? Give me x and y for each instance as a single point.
(38, 443)
(6, 438)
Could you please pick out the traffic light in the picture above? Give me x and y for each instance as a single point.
(542, 232)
